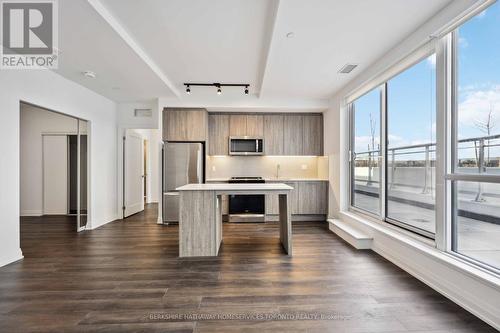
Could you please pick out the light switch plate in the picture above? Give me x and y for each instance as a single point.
(304, 166)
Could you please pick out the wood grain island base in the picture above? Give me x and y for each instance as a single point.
(200, 215)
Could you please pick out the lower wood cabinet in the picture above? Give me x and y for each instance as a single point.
(272, 204)
(225, 204)
(308, 198)
(313, 197)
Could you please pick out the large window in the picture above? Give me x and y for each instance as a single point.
(365, 148)
(411, 147)
(425, 144)
(476, 166)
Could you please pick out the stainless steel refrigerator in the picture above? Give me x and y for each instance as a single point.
(183, 163)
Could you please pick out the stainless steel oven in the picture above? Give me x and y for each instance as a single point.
(246, 145)
(247, 208)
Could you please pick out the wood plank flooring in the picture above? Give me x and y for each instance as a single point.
(126, 277)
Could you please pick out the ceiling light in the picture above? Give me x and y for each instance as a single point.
(217, 85)
(291, 34)
(89, 74)
(347, 68)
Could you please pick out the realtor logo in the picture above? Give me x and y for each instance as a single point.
(29, 34)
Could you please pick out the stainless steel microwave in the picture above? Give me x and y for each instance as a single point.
(246, 145)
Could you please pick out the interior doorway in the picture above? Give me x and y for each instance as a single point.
(140, 163)
(53, 168)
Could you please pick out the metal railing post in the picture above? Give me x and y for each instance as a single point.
(481, 168)
(427, 169)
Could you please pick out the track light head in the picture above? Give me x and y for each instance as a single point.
(188, 90)
(246, 90)
(219, 91)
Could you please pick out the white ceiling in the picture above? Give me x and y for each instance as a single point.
(149, 48)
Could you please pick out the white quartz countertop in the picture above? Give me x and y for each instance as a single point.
(236, 187)
(276, 180)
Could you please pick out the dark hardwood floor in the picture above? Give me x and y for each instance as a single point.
(126, 277)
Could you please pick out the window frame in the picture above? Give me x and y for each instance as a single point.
(452, 175)
(444, 44)
(382, 217)
(351, 116)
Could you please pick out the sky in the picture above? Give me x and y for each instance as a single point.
(411, 94)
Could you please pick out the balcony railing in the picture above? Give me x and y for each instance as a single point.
(480, 161)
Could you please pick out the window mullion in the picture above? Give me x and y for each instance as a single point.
(383, 151)
(443, 141)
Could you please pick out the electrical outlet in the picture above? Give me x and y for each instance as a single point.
(213, 167)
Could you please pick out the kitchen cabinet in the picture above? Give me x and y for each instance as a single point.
(284, 134)
(313, 197)
(246, 125)
(255, 126)
(218, 134)
(225, 204)
(273, 135)
(237, 125)
(312, 134)
(272, 204)
(293, 134)
(185, 124)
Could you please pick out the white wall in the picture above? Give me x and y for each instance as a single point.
(50, 90)
(35, 122)
(460, 283)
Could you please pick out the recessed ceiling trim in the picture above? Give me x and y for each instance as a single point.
(116, 25)
(268, 46)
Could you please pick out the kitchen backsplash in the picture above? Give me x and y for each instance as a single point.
(222, 167)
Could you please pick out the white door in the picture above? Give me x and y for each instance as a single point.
(134, 173)
(55, 174)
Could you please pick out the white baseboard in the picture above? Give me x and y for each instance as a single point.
(31, 213)
(10, 258)
(351, 235)
(471, 288)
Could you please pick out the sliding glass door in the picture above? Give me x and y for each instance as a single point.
(365, 152)
(411, 147)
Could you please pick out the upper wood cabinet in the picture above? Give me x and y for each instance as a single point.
(246, 125)
(218, 134)
(238, 125)
(255, 125)
(293, 135)
(273, 135)
(312, 135)
(284, 134)
(185, 124)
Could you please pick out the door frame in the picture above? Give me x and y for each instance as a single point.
(89, 158)
(124, 171)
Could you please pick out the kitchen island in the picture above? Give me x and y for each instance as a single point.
(200, 215)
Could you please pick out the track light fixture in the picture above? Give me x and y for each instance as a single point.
(217, 85)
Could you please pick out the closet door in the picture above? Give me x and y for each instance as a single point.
(82, 191)
(55, 174)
